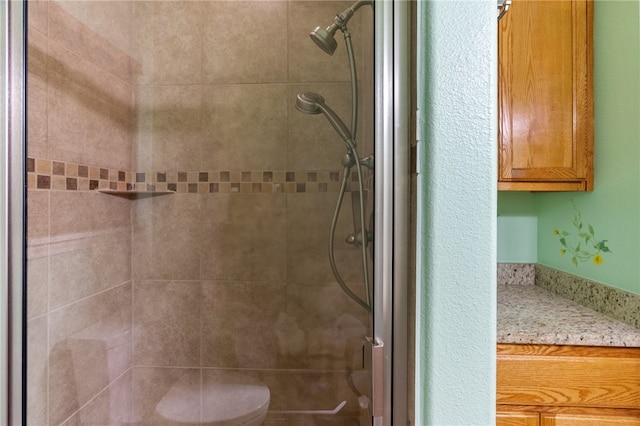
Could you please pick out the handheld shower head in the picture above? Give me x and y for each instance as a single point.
(307, 102)
(324, 38)
(313, 103)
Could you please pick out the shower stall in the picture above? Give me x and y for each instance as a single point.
(207, 213)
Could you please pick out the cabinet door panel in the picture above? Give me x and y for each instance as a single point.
(588, 420)
(591, 378)
(506, 418)
(545, 95)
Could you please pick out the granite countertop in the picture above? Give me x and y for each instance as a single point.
(531, 314)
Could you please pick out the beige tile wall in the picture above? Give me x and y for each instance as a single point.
(89, 349)
(80, 346)
(231, 271)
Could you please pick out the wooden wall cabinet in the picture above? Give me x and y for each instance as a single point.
(546, 385)
(545, 96)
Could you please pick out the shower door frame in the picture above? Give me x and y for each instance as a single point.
(12, 210)
(392, 147)
(392, 207)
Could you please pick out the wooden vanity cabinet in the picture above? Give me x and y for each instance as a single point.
(547, 385)
(590, 418)
(545, 96)
(517, 418)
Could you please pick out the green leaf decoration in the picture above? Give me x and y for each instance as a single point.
(592, 248)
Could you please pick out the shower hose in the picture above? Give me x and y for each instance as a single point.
(365, 264)
(352, 154)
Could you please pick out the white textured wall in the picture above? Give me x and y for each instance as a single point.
(455, 355)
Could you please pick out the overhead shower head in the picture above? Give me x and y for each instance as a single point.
(324, 38)
(313, 103)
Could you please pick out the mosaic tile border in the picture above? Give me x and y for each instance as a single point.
(43, 174)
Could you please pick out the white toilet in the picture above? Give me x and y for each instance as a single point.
(233, 400)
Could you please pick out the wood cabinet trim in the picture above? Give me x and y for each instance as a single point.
(567, 350)
(530, 415)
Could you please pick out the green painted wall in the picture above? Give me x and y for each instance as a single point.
(517, 228)
(613, 208)
(456, 236)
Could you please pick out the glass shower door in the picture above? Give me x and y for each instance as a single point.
(180, 209)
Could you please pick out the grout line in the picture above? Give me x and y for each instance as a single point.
(92, 295)
(93, 398)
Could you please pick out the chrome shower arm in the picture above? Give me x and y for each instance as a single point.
(343, 18)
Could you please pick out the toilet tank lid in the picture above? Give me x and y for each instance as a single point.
(232, 404)
(227, 400)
